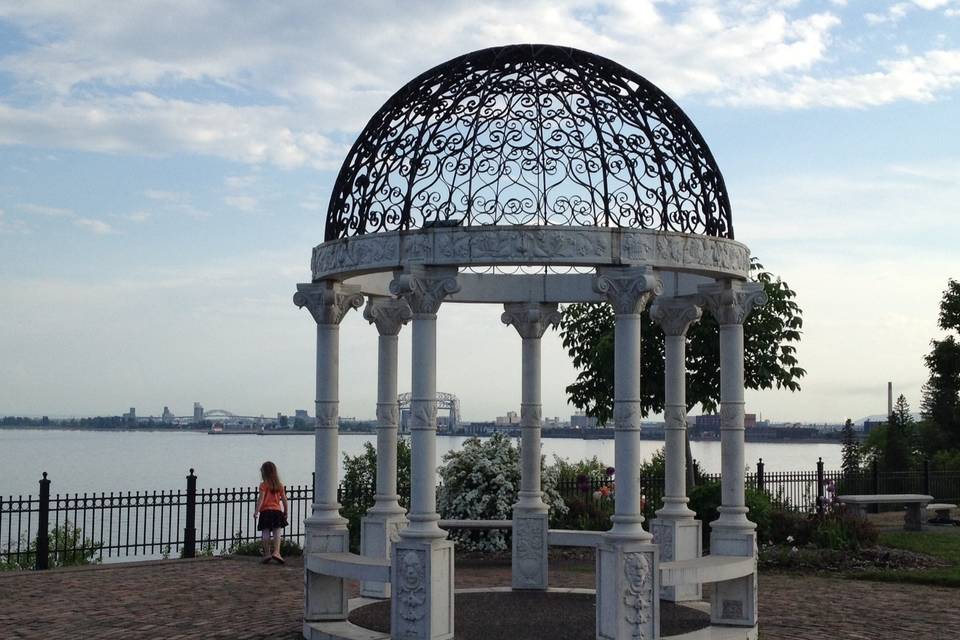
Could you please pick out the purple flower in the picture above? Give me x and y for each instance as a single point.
(611, 471)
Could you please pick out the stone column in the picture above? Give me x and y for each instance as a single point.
(734, 602)
(628, 580)
(422, 598)
(381, 526)
(675, 529)
(530, 521)
(325, 529)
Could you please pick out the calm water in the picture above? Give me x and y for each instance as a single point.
(97, 461)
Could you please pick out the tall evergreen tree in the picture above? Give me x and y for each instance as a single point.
(941, 393)
(898, 450)
(851, 450)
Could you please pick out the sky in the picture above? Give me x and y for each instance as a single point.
(165, 170)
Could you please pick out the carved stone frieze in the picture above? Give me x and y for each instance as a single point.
(628, 289)
(530, 319)
(411, 596)
(388, 314)
(425, 288)
(627, 414)
(423, 414)
(482, 246)
(327, 414)
(731, 415)
(674, 417)
(530, 549)
(388, 414)
(730, 302)
(675, 315)
(638, 596)
(327, 301)
(531, 415)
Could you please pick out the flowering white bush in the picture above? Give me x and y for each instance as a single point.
(480, 482)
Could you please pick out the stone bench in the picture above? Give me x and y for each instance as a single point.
(916, 503)
(349, 565)
(942, 509)
(706, 569)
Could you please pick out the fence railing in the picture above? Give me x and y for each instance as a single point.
(51, 530)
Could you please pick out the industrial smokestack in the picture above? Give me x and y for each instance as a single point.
(889, 399)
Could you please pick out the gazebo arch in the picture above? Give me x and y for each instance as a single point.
(531, 176)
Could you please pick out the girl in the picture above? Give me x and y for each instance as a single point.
(272, 509)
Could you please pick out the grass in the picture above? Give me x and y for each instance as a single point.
(940, 544)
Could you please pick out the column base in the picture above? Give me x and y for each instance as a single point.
(529, 563)
(324, 596)
(422, 601)
(678, 539)
(734, 602)
(378, 532)
(628, 584)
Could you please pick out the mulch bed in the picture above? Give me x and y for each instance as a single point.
(869, 559)
(523, 615)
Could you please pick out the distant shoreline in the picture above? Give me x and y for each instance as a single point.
(601, 434)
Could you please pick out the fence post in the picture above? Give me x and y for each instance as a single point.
(875, 466)
(190, 531)
(761, 485)
(926, 477)
(42, 560)
(820, 486)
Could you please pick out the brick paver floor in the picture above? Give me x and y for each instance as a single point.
(239, 598)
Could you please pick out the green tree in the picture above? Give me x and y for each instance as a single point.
(898, 453)
(360, 485)
(770, 335)
(941, 393)
(852, 455)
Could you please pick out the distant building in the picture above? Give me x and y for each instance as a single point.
(711, 422)
(583, 421)
(130, 416)
(510, 418)
(301, 413)
(197, 413)
(167, 415)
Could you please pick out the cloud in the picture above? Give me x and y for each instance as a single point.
(242, 202)
(8, 226)
(919, 78)
(137, 216)
(98, 227)
(44, 210)
(176, 202)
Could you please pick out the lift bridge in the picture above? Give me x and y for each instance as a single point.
(445, 401)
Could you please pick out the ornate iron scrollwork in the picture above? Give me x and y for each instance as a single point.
(529, 135)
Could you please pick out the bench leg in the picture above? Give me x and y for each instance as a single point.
(326, 599)
(734, 602)
(914, 517)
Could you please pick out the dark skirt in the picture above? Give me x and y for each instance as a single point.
(270, 520)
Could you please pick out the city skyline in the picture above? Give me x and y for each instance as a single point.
(162, 185)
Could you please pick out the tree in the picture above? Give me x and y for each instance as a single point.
(851, 450)
(770, 333)
(941, 393)
(359, 486)
(897, 454)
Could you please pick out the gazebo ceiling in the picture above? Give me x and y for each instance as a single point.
(529, 135)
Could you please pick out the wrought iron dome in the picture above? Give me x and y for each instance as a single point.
(529, 135)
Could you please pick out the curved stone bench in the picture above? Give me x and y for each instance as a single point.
(706, 569)
(476, 524)
(573, 538)
(349, 565)
(916, 505)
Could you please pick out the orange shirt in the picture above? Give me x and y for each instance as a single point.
(271, 499)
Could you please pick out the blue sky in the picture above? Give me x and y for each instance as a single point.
(165, 169)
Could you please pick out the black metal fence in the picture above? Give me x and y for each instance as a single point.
(50, 530)
(53, 530)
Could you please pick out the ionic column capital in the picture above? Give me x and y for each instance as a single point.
(424, 288)
(730, 302)
(628, 289)
(327, 301)
(530, 319)
(388, 314)
(675, 315)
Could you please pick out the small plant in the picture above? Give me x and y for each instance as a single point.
(705, 499)
(240, 547)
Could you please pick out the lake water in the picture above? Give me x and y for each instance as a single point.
(79, 461)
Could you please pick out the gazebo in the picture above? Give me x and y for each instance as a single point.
(530, 176)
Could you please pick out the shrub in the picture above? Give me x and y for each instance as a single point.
(240, 547)
(360, 485)
(705, 499)
(480, 482)
(67, 548)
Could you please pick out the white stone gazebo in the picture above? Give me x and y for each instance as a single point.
(530, 176)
